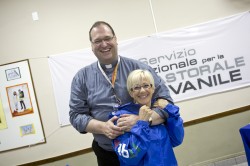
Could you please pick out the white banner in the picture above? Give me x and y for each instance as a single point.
(195, 61)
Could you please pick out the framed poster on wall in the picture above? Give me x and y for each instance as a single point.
(20, 122)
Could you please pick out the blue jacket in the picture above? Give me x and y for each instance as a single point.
(148, 145)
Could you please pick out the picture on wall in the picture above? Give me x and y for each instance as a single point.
(27, 129)
(19, 113)
(3, 124)
(19, 100)
(13, 73)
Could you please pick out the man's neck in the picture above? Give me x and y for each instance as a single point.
(109, 66)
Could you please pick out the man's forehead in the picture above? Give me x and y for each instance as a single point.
(101, 29)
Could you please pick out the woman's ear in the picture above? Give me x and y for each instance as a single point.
(153, 90)
(131, 93)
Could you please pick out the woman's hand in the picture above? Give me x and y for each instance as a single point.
(145, 113)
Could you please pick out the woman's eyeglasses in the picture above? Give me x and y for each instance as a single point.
(137, 88)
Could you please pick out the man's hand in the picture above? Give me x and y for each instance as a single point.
(162, 103)
(127, 121)
(110, 130)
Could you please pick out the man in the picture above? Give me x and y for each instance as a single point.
(99, 88)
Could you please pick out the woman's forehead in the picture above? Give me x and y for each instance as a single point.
(140, 80)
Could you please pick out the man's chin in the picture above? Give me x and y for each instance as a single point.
(107, 59)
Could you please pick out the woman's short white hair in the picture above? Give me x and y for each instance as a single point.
(137, 76)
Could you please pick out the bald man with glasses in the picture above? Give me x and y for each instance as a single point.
(100, 88)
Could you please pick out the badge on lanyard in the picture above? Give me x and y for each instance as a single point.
(115, 107)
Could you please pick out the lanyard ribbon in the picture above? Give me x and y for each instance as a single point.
(114, 74)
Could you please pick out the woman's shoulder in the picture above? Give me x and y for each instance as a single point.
(129, 108)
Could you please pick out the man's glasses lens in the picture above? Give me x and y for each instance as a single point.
(106, 39)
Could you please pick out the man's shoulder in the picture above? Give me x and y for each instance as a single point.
(129, 59)
(133, 61)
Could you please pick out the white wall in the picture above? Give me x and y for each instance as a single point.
(63, 26)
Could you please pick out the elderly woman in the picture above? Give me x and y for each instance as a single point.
(148, 143)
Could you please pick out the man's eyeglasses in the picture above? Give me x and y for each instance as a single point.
(106, 40)
(137, 88)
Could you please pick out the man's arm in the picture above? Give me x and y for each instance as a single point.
(79, 113)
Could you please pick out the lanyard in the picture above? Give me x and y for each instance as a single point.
(114, 74)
